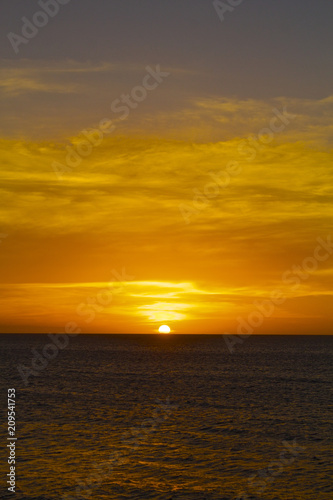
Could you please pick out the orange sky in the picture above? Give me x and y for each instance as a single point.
(195, 263)
(191, 210)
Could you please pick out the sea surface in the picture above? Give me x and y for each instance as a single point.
(170, 417)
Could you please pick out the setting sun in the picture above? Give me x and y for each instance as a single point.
(164, 329)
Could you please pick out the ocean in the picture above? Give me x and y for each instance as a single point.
(169, 417)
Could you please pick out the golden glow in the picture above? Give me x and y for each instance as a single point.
(164, 329)
(119, 209)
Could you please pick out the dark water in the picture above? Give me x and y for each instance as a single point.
(171, 417)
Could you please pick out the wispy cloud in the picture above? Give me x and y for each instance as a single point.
(14, 86)
(120, 207)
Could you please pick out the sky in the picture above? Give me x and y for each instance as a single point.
(166, 162)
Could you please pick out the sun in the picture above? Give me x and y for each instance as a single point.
(164, 329)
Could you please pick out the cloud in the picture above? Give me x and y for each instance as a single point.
(120, 207)
(12, 86)
(60, 98)
(223, 118)
(26, 76)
